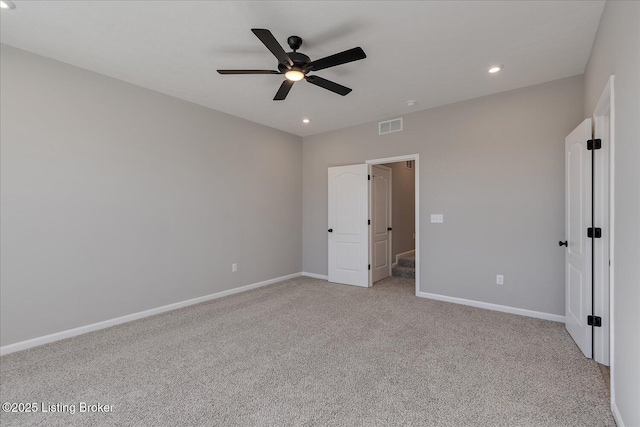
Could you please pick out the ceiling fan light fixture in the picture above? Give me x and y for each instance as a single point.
(294, 75)
(7, 4)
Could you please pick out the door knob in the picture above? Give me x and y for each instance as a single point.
(561, 243)
(330, 230)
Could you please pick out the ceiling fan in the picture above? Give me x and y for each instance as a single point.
(295, 66)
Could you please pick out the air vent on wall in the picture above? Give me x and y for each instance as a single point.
(389, 126)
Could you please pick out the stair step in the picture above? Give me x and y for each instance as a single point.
(402, 271)
(409, 261)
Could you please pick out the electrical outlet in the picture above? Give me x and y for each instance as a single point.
(500, 279)
(234, 267)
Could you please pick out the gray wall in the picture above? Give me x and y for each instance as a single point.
(403, 208)
(494, 166)
(117, 199)
(616, 50)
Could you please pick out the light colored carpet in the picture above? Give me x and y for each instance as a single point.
(306, 352)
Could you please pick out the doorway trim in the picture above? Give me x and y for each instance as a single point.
(603, 123)
(416, 171)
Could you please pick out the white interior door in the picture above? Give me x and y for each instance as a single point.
(348, 225)
(578, 252)
(380, 222)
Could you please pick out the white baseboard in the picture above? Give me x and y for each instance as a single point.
(34, 342)
(616, 414)
(315, 276)
(494, 307)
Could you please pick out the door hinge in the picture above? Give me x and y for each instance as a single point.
(369, 266)
(368, 222)
(594, 321)
(368, 177)
(594, 232)
(594, 144)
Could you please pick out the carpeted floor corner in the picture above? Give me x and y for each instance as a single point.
(308, 352)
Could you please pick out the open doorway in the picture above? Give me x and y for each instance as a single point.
(349, 222)
(393, 212)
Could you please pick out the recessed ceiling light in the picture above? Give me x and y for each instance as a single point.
(495, 68)
(411, 103)
(7, 4)
(306, 120)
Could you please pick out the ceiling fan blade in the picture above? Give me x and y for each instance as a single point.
(329, 85)
(248, 72)
(285, 87)
(350, 55)
(272, 44)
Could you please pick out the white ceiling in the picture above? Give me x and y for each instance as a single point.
(434, 52)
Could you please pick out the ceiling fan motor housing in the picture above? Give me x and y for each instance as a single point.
(299, 61)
